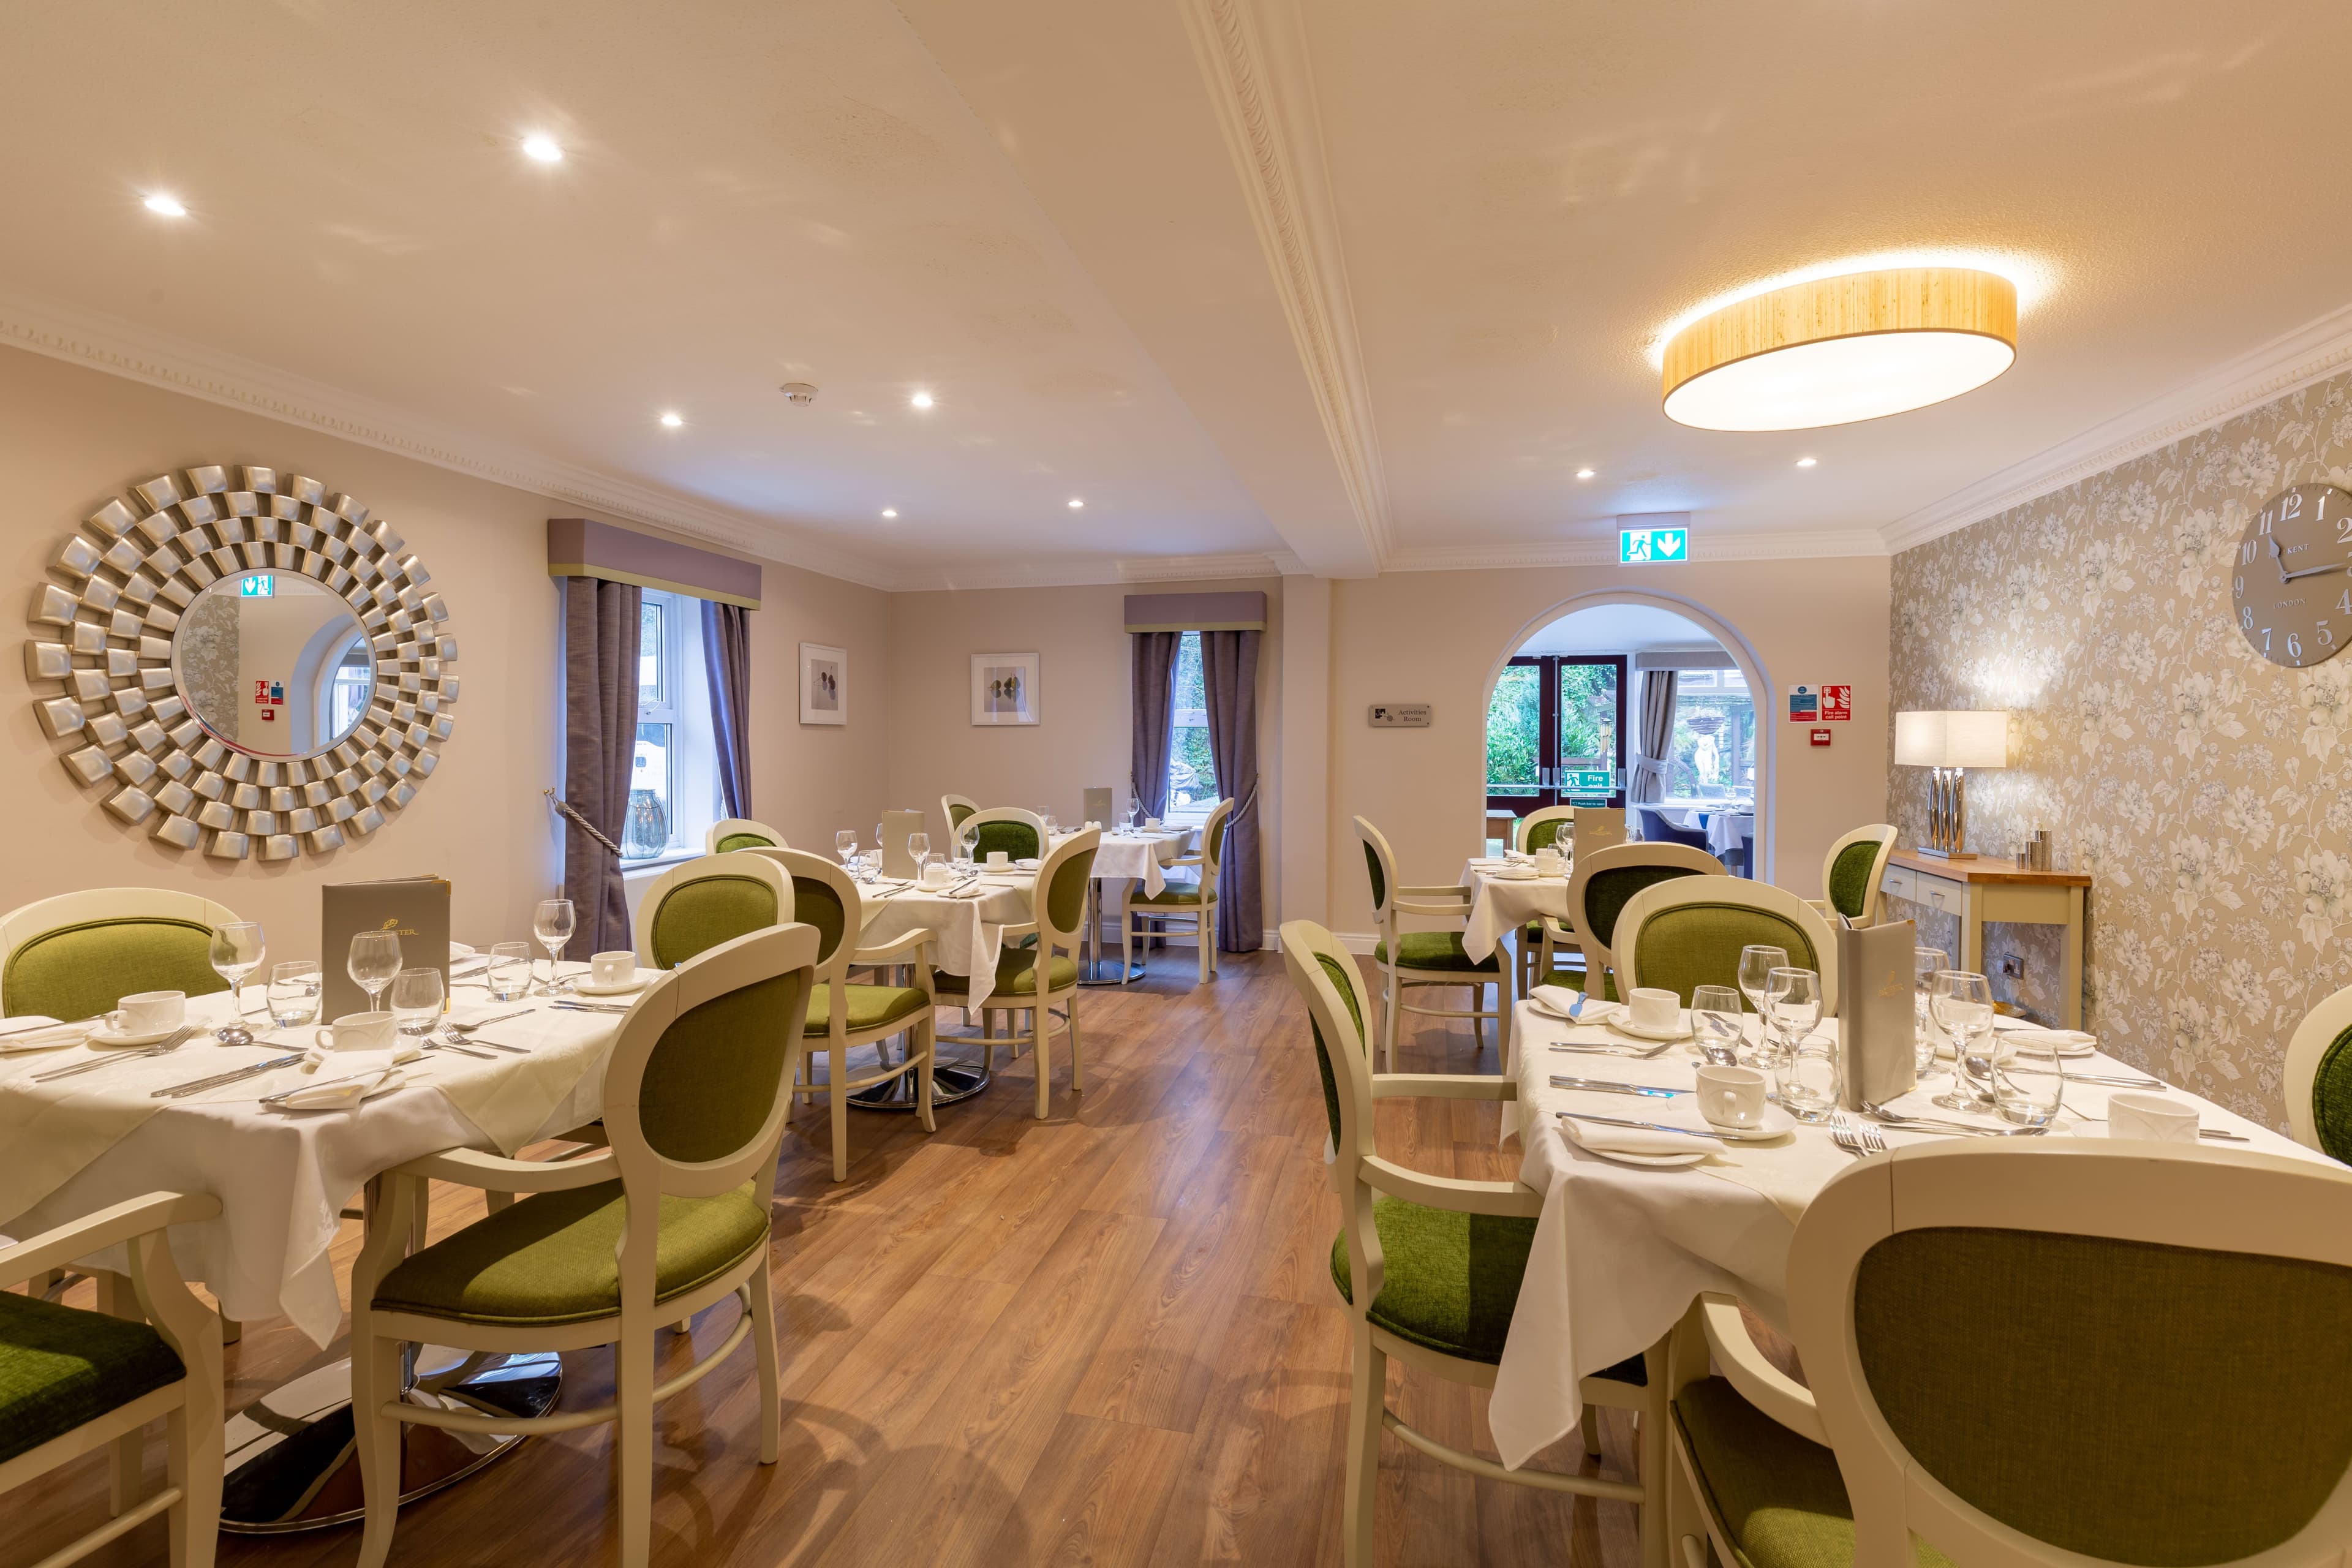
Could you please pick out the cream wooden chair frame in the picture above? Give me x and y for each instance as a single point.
(645, 1174)
(2304, 1052)
(26, 921)
(1598, 961)
(833, 974)
(1658, 898)
(2219, 1199)
(1451, 904)
(1531, 972)
(948, 804)
(1873, 905)
(1208, 862)
(1358, 1173)
(727, 825)
(1007, 814)
(1038, 1003)
(1526, 824)
(190, 1408)
(754, 864)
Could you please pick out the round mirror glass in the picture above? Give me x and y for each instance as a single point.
(274, 663)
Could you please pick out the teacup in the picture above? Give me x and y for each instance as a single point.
(1151, 824)
(616, 968)
(1731, 1096)
(359, 1032)
(1655, 1010)
(938, 874)
(998, 859)
(1547, 862)
(2155, 1117)
(148, 1013)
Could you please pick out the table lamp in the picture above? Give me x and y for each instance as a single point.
(1950, 743)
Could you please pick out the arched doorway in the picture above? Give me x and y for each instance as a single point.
(1741, 653)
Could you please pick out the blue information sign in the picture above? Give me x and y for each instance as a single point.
(1643, 544)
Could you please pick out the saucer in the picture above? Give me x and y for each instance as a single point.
(1777, 1123)
(587, 987)
(1624, 1025)
(107, 1038)
(1512, 874)
(1026, 863)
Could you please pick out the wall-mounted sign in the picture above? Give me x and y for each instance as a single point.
(1400, 716)
(1636, 546)
(1837, 703)
(1821, 704)
(1587, 781)
(260, 586)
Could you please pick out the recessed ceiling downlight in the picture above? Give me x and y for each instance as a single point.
(542, 149)
(1839, 350)
(163, 206)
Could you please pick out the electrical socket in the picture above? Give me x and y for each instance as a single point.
(2011, 967)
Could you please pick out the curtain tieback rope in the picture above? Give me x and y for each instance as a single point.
(567, 809)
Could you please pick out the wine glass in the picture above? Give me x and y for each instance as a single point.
(1052, 826)
(293, 993)
(1794, 996)
(552, 923)
(1962, 1005)
(237, 951)
(919, 845)
(1926, 963)
(1134, 814)
(375, 960)
(416, 1002)
(1757, 963)
(1720, 1029)
(844, 844)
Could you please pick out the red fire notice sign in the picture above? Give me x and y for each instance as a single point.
(1837, 703)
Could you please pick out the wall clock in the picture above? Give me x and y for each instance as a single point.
(2291, 588)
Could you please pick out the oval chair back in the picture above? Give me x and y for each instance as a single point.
(2187, 1314)
(1329, 982)
(1656, 829)
(1059, 899)
(2319, 1078)
(1853, 870)
(740, 833)
(1546, 827)
(1379, 864)
(955, 810)
(1687, 932)
(1214, 831)
(1020, 834)
(693, 908)
(1601, 881)
(79, 954)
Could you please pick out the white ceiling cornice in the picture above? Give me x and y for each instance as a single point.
(2309, 353)
(125, 349)
(1252, 56)
(1603, 551)
(1094, 574)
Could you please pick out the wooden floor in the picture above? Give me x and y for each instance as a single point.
(1108, 1338)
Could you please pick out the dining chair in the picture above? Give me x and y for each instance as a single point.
(1031, 979)
(1018, 833)
(1656, 829)
(1546, 827)
(1429, 1268)
(1425, 958)
(2319, 1077)
(955, 809)
(1990, 1385)
(78, 955)
(740, 833)
(842, 1014)
(1193, 900)
(1851, 873)
(1681, 934)
(694, 907)
(1600, 882)
(73, 1382)
(672, 1217)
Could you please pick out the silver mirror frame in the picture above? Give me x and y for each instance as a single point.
(103, 623)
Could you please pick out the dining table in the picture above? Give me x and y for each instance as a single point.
(1126, 854)
(1621, 1250)
(1506, 895)
(966, 918)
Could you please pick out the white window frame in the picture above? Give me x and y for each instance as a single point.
(685, 706)
(1197, 814)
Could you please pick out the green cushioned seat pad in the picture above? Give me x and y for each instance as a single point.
(82, 970)
(1174, 893)
(1778, 1495)
(1450, 1279)
(1016, 974)
(550, 1257)
(61, 1368)
(870, 1006)
(2331, 1097)
(1433, 950)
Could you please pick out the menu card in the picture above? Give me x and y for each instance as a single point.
(415, 906)
(1598, 828)
(1099, 806)
(896, 826)
(1877, 1022)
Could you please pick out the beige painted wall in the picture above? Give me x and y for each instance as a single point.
(71, 438)
(1438, 638)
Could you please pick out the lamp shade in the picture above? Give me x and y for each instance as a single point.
(1952, 739)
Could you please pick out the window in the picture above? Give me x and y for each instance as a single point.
(1556, 733)
(1191, 767)
(674, 786)
(1714, 753)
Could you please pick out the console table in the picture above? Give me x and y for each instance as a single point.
(1987, 889)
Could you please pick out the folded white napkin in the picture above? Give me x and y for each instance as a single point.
(968, 891)
(460, 949)
(2033, 1037)
(347, 1078)
(1603, 1138)
(1027, 863)
(1516, 872)
(1558, 999)
(39, 1031)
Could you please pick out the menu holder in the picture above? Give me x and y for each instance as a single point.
(1099, 806)
(897, 859)
(1877, 1019)
(1598, 828)
(416, 908)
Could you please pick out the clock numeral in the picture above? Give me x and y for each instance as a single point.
(2238, 588)
(2246, 553)
(2293, 501)
(2266, 642)
(2344, 605)
(2344, 531)
(2246, 616)
(2327, 637)
(2294, 646)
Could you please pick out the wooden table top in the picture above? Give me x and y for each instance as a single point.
(1985, 868)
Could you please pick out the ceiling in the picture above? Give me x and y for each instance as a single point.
(1326, 285)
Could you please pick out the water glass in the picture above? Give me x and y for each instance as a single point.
(375, 960)
(237, 951)
(416, 997)
(1052, 828)
(294, 989)
(2025, 1093)
(844, 845)
(552, 923)
(1807, 1078)
(509, 972)
(1927, 963)
(1961, 1003)
(1718, 1026)
(1793, 1002)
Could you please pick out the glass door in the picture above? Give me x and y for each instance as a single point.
(1556, 733)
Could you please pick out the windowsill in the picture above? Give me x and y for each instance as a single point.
(659, 863)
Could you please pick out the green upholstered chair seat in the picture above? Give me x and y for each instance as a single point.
(551, 1258)
(1433, 950)
(870, 1006)
(746, 841)
(1016, 975)
(1778, 1495)
(1175, 895)
(82, 970)
(2331, 1097)
(61, 1368)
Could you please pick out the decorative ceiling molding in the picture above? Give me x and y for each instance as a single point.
(1087, 573)
(1603, 551)
(125, 349)
(2309, 353)
(1254, 59)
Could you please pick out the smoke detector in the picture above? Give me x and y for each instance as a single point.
(798, 392)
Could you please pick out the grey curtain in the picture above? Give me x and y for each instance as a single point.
(1229, 672)
(601, 621)
(1656, 736)
(1155, 692)
(727, 654)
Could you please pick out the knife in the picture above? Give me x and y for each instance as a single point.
(1605, 1085)
(1645, 1126)
(220, 1080)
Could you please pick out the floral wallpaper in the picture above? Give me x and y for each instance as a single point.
(2201, 786)
(207, 648)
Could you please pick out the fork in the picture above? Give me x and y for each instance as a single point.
(1639, 1055)
(179, 1037)
(1856, 1138)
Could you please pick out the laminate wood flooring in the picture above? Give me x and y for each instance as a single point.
(1109, 1338)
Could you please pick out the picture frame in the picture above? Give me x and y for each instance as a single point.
(825, 684)
(1004, 689)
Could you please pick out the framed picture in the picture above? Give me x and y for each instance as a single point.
(1004, 689)
(825, 684)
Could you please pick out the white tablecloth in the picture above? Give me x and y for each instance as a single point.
(1621, 1250)
(966, 930)
(1499, 905)
(1728, 831)
(1140, 857)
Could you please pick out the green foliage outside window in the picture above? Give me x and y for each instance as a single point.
(1192, 766)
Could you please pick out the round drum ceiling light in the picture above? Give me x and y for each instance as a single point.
(1839, 350)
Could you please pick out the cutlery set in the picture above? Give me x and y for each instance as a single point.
(179, 1037)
